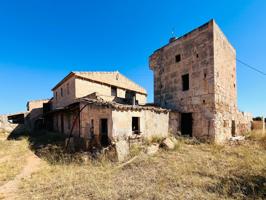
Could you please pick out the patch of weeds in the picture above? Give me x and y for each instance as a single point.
(177, 146)
(135, 150)
(154, 139)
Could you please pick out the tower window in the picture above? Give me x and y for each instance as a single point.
(68, 88)
(177, 58)
(185, 82)
(62, 92)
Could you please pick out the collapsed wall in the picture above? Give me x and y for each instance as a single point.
(8, 126)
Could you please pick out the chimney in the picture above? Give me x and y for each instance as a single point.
(172, 39)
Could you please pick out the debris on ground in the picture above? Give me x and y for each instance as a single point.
(122, 150)
(152, 149)
(167, 144)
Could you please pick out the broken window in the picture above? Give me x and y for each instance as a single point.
(185, 82)
(177, 58)
(62, 92)
(56, 95)
(131, 97)
(135, 125)
(114, 91)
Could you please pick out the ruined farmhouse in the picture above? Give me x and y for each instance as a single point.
(104, 107)
(195, 94)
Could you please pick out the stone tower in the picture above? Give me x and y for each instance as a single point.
(195, 76)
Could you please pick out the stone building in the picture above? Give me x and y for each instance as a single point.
(195, 76)
(195, 94)
(109, 84)
(104, 107)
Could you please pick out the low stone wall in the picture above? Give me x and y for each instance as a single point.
(174, 122)
(257, 125)
(244, 122)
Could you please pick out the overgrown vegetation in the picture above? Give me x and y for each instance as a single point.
(193, 170)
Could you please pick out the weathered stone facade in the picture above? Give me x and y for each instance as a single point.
(29, 120)
(80, 84)
(151, 121)
(35, 112)
(194, 77)
(196, 74)
(118, 104)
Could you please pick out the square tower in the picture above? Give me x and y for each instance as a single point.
(195, 75)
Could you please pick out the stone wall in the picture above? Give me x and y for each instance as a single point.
(244, 122)
(31, 105)
(209, 59)
(174, 122)
(76, 87)
(90, 120)
(35, 112)
(226, 118)
(5, 125)
(257, 125)
(151, 124)
(65, 93)
(120, 122)
(196, 51)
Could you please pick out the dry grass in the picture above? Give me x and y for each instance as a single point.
(12, 157)
(192, 171)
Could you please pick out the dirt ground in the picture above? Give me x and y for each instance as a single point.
(38, 168)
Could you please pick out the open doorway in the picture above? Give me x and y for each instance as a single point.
(233, 128)
(104, 132)
(186, 124)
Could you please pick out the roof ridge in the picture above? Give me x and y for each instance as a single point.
(95, 72)
(133, 82)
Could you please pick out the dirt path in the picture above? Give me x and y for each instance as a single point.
(8, 190)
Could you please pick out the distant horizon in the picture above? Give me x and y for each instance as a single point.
(41, 42)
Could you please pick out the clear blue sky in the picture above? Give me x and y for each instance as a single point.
(42, 41)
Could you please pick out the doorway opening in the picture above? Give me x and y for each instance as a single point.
(104, 132)
(186, 124)
(233, 129)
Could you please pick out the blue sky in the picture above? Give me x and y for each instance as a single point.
(42, 41)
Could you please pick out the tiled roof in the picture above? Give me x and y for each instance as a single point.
(118, 106)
